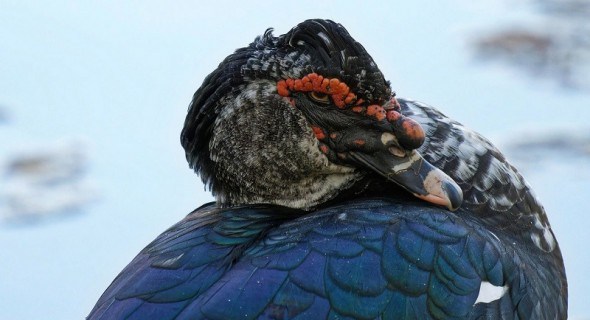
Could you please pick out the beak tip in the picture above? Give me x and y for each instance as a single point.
(454, 195)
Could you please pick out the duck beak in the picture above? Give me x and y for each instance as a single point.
(412, 172)
(381, 139)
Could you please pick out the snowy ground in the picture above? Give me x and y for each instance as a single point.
(118, 77)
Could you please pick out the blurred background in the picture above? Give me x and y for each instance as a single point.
(93, 96)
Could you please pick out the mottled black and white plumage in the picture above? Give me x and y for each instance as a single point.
(492, 187)
(319, 174)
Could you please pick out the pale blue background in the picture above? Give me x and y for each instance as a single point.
(120, 75)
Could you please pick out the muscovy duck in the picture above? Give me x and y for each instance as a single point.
(336, 200)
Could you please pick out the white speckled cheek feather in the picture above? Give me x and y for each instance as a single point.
(272, 146)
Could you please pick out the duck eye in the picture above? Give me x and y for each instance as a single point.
(319, 97)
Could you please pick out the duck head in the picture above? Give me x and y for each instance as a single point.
(294, 120)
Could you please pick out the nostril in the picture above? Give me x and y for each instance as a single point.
(397, 152)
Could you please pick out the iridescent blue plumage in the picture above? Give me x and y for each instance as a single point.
(364, 259)
(317, 170)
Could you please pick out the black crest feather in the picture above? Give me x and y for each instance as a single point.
(321, 46)
(335, 53)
